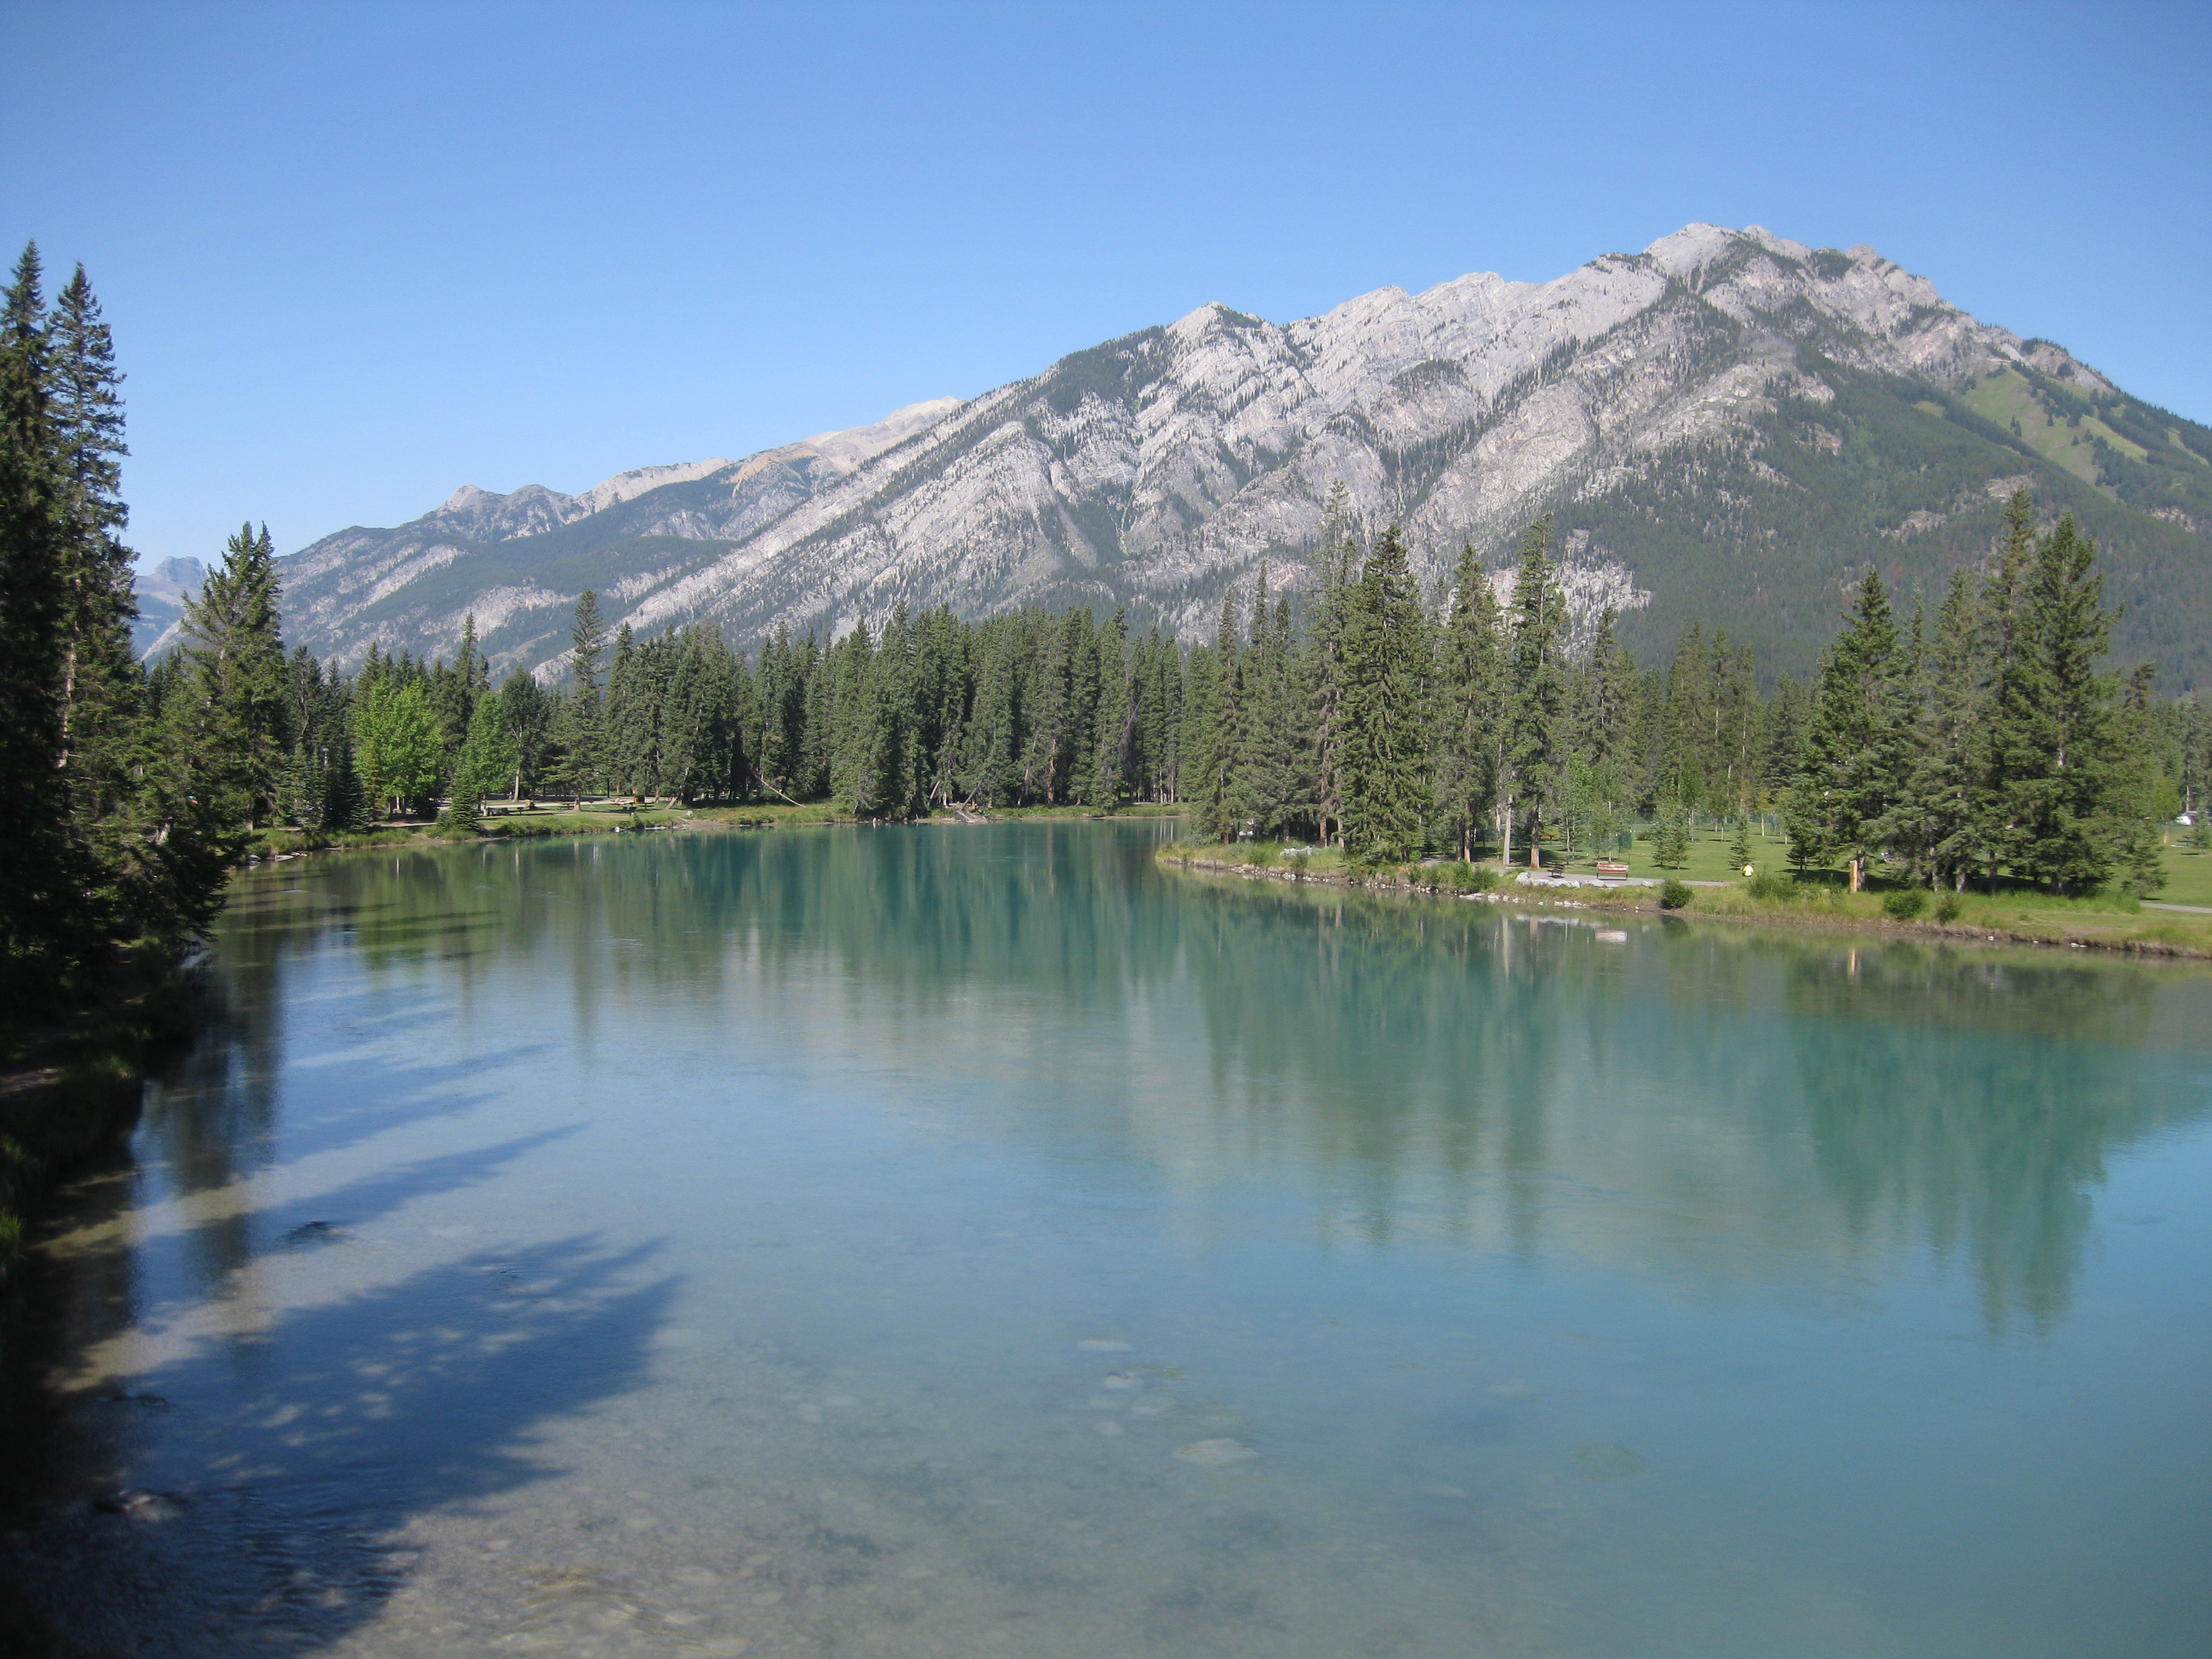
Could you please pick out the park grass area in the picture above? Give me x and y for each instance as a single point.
(2188, 876)
(2108, 920)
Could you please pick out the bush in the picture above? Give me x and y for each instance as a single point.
(1947, 908)
(1675, 894)
(1904, 904)
(1461, 877)
(1771, 887)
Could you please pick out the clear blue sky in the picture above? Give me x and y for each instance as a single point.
(357, 255)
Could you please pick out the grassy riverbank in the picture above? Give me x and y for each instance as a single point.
(609, 818)
(2104, 921)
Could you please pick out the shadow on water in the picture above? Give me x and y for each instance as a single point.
(1738, 1112)
(1422, 1070)
(273, 1523)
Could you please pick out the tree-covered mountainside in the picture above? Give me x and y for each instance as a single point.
(1728, 424)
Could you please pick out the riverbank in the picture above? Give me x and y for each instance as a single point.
(600, 818)
(2104, 922)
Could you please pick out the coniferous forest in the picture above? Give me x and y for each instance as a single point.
(1984, 743)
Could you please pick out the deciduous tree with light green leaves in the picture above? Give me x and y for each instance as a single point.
(489, 756)
(398, 745)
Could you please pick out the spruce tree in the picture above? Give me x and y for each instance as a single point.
(1267, 785)
(1386, 774)
(1469, 711)
(528, 712)
(581, 735)
(234, 729)
(2060, 773)
(2135, 805)
(1220, 737)
(1536, 734)
(1108, 785)
(36, 911)
(1336, 570)
(1856, 741)
(100, 677)
(1938, 818)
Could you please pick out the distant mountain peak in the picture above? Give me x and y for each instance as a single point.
(1729, 422)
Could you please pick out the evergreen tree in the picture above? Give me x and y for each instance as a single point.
(2009, 690)
(1782, 752)
(881, 771)
(342, 804)
(1536, 734)
(1268, 786)
(36, 878)
(2137, 805)
(100, 678)
(1218, 741)
(581, 735)
(1470, 718)
(1386, 775)
(1115, 721)
(528, 714)
(1937, 817)
(1335, 571)
(1855, 741)
(2060, 775)
(233, 729)
(991, 770)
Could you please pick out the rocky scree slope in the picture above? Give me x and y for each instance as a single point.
(1728, 425)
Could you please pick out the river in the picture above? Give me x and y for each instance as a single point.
(943, 1240)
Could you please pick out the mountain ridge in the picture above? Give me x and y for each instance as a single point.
(1728, 424)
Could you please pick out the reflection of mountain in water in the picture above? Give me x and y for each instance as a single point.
(1710, 1107)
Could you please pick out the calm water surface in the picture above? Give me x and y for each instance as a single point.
(975, 1242)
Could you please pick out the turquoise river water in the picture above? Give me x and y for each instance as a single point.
(976, 1242)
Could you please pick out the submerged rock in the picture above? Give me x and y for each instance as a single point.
(1211, 1454)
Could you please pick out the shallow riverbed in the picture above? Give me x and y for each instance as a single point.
(975, 1241)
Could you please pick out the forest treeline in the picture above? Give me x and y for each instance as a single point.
(1983, 743)
(122, 819)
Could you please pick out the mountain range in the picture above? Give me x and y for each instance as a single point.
(1727, 426)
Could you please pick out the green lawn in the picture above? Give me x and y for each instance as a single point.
(2110, 918)
(2188, 876)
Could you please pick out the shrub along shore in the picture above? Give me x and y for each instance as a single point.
(2105, 920)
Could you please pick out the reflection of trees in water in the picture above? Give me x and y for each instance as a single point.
(1745, 1093)
(1973, 1102)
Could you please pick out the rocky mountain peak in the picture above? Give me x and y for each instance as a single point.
(1663, 405)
